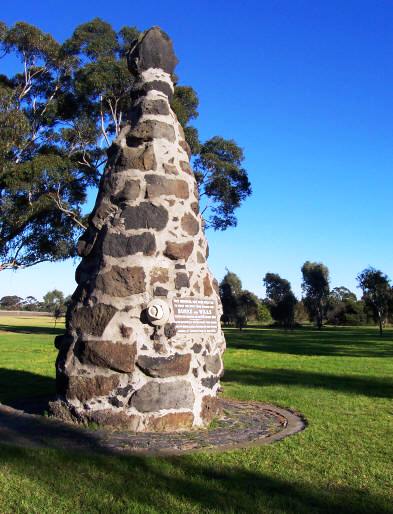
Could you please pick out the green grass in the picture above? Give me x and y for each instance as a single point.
(340, 379)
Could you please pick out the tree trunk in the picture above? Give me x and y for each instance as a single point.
(380, 325)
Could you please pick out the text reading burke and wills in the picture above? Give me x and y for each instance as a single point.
(195, 315)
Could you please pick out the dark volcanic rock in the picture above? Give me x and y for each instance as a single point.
(147, 130)
(115, 356)
(142, 158)
(154, 85)
(145, 215)
(122, 281)
(158, 186)
(148, 106)
(182, 280)
(110, 418)
(118, 245)
(210, 381)
(153, 49)
(163, 367)
(155, 396)
(170, 330)
(129, 193)
(92, 320)
(179, 250)
(210, 408)
(190, 224)
(83, 387)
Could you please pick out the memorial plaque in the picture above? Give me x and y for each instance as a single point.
(195, 315)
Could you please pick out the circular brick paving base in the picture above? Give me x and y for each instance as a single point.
(243, 424)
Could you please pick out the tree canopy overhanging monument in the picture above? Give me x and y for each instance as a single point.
(143, 344)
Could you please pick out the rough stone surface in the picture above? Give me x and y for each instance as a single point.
(213, 363)
(116, 356)
(182, 280)
(161, 186)
(164, 367)
(176, 251)
(146, 215)
(130, 192)
(142, 158)
(153, 49)
(83, 387)
(190, 224)
(122, 281)
(118, 245)
(148, 130)
(92, 320)
(211, 408)
(170, 422)
(144, 248)
(154, 396)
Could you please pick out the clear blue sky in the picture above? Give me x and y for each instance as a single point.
(306, 88)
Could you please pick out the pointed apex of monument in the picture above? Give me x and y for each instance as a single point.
(153, 49)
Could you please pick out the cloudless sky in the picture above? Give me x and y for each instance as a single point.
(305, 87)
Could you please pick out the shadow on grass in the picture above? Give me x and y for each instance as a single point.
(27, 329)
(380, 388)
(145, 484)
(18, 387)
(348, 342)
(187, 484)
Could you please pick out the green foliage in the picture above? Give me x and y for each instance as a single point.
(343, 308)
(280, 299)
(223, 181)
(58, 116)
(315, 287)
(239, 306)
(263, 314)
(377, 294)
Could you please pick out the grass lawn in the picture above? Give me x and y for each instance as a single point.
(340, 379)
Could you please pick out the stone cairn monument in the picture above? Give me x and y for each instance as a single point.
(143, 344)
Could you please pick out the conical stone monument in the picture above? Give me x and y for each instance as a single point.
(143, 344)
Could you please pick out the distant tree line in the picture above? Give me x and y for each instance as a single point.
(53, 301)
(319, 304)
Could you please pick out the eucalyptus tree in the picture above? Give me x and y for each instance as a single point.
(316, 290)
(58, 117)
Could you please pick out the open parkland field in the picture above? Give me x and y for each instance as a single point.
(340, 379)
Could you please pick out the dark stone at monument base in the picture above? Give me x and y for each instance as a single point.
(163, 367)
(155, 396)
(84, 387)
(122, 281)
(108, 417)
(118, 245)
(145, 215)
(170, 422)
(106, 354)
(210, 408)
